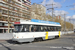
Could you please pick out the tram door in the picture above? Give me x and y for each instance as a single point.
(46, 36)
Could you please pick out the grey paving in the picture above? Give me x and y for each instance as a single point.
(6, 36)
(65, 42)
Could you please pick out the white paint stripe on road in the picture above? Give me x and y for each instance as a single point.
(54, 47)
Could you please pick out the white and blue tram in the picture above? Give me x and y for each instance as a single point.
(28, 31)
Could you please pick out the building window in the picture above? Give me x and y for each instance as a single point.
(9, 1)
(24, 1)
(13, 13)
(5, 5)
(5, 24)
(15, 8)
(28, 0)
(12, 19)
(17, 4)
(19, 0)
(0, 10)
(16, 14)
(4, 12)
(27, 8)
(10, 7)
(24, 7)
(0, 24)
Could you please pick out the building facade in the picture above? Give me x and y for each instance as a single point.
(38, 11)
(12, 11)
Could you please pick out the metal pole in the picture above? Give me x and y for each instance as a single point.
(64, 23)
(70, 25)
(8, 19)
(52, 12)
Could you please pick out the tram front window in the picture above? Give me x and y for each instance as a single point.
(18, 28)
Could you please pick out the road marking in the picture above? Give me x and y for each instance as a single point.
(8, 44)
(52, 47)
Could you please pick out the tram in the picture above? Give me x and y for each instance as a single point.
(28, 31)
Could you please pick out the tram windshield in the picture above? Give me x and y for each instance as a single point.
(21, 28)
(18, 28)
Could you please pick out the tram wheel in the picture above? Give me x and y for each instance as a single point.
(56, 37)
(38, 39)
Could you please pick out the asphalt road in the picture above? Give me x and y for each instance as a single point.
(65, 42)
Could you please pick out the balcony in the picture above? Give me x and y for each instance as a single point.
(9, 2)
(27, 18)
(26, 5)
(4, 0)
(7, 26)
(4, 7)
(4, 14)
(28, 1)
(0, 14)
(16, 16)
(17, 6)
(0, 19)
(12, 21)
(3, 19)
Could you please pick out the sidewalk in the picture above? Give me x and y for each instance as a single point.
(9, 36)
(5, 36)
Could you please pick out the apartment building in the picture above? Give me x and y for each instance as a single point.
(38, 11)
(12, 11)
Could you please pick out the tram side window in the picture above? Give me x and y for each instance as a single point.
(59, 28)
(35, 28)
(45, 28)
(41, 28)
(51, 28)
(32, 28)
(55, 29)
(48, 28)
(26, 28)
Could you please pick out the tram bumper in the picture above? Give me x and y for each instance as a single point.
(23, 40)
(13, 39)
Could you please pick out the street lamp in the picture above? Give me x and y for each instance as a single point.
(70, 24)
(64, 23)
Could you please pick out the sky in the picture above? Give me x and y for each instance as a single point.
(63, 7)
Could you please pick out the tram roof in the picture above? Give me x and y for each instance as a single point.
(38, 22)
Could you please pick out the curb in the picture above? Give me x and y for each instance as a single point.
(5, 39)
